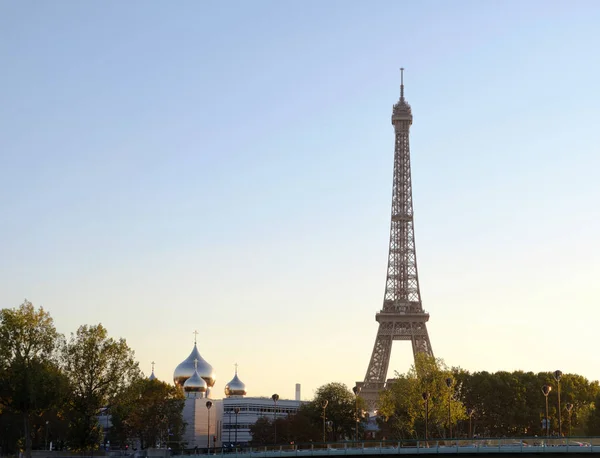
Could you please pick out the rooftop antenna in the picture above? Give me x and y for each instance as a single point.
(402, 83)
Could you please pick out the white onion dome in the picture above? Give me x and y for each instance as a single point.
(236, 387)
(186, 369)
(195, 384)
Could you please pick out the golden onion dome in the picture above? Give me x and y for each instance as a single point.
(236, 387)
(186, 369)
(195, 384)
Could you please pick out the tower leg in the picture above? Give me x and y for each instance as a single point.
(378, 366)
(399, 329)
(380, 358)
(420, 342)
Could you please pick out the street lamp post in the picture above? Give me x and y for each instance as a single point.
(470, 413)
(356, 391)
(46, 442)
(569, 407)
(557, 376)
(324, 405)
(106, 433)
(208, 406)
(229, 438)
(426, 399)
(237, 411)
(275, 398)
(546, 391)
(449, 385)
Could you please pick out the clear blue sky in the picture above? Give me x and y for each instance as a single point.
(227, 167)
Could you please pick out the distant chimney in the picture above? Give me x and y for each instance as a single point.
(297, 391)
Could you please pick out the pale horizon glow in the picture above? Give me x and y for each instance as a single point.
(227, 167)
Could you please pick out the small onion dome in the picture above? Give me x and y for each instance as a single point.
(186, 369)
(152, 376)
(195, 384)
(236, 387)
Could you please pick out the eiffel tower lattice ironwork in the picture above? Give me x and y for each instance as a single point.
(402, 316)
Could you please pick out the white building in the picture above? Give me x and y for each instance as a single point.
(250, 410)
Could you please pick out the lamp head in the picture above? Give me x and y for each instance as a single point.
(557, 375)
(546, 390)
(569, 407)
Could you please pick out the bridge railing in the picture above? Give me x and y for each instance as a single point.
(411, 447)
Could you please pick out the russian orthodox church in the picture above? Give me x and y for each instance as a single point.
(222, 422)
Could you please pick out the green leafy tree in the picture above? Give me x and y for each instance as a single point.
(402, 405)
(512, 403)
(340, 412)
(149, 411)
(297, 428)
(262, 431)
(99, 369)
(30, 380)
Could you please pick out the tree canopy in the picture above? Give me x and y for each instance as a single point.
(99, 369)
(30, 379)
(52, 390)
(340, 407)
(150, 411)
(509, 404)
(402, 404)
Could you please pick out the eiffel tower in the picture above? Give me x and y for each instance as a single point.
(402, 316)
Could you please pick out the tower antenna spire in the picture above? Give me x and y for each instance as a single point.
(402, 83)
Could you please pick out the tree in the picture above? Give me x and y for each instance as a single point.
(340, 410)
(99, 369)
(150, 411)
(30, 380)
(512, 403)
(402, 405)
(297, 428)
(262, 431)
